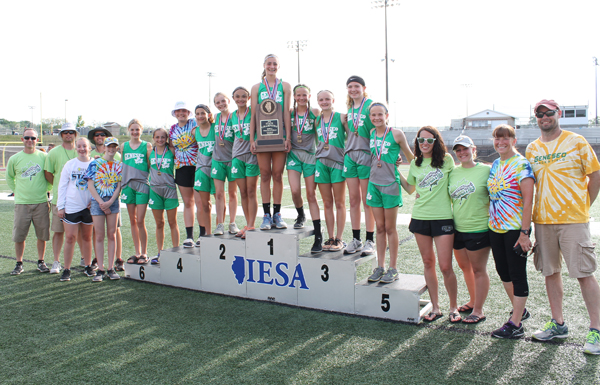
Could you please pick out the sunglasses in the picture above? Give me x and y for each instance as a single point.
(99, 134)
(68, 132)
(428, 140)
(540, 115)
(30, 137)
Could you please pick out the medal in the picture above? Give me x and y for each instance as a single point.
(299, 140)
(326, 147)
(241, 140)
(156, 162)
(325, 131)
(272, 94)
(221, 144)
(221, 131)
(159, 173)
(356, 118)
(378, 164)
(379, 150)
(300, 128)
(241, 123)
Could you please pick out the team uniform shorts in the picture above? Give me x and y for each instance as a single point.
(329, 171)
(244, 166)
(204, 182)
(95, 209)
(132, 197)
(571, 242)
(25, 215)
(357, 164)
(302, 161)
(471, 241)
(184, 176)
(84, 216)
(158, 202)
(221, 170)
(387, 197)
(431, 227)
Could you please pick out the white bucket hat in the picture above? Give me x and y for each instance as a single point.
(180, 106)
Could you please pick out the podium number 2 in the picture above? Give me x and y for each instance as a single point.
(385, 303)
(325, 275)
(270, 243)
(222, 248)
(180, 266)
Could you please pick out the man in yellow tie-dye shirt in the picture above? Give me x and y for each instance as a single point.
(567, 182)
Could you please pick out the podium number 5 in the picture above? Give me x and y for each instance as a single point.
(385, 303)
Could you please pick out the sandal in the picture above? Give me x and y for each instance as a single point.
(133, 260)
(473, 319)
(432, 317)
(465, 308)
(119, 265)
(242, 232)
(247, 229)
(143, 259)
(455, 317)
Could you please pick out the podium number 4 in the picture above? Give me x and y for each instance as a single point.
(180, 266)
(385, 303)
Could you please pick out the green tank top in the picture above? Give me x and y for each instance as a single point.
(387, 173)
(241, 143)
(168, 162)
(336, 137)
(307, 137)
(136, 158)
(205, 147)
(363, 121)
(263, 94)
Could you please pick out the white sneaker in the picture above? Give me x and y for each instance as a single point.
(353, 247)
(198, 242)
(219, 230)
(55, 268)
(82, 263)
(369, 248)
(188, 243)
(233, 229)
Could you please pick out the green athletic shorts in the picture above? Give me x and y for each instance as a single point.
(130, 196)
(241, 168)
(203, 182)
(327, 174)
(221, 170)
(384, 196)
(158, 202)
(357, 168)
(301, 161)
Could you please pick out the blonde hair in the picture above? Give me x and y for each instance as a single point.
(85, 140)
(164, 130)
(350, 101)
(264, 73)
(135, 121)
(223, 95)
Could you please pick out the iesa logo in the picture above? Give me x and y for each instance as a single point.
(261, 272)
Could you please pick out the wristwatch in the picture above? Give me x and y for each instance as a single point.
(526, 232)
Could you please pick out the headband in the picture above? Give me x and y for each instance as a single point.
(357, 79)
(379, 104)
(240, 88)
(204, 107)
(302, 86)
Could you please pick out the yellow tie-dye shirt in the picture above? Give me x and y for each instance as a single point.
(561, 168)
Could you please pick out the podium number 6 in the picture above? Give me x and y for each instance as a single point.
(142, 274)
(385, 303)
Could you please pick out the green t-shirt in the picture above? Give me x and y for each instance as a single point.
(25, 177)
(55, 161)
(432, 186)
(470, 198)
(94, 154)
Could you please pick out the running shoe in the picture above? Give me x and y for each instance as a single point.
(42, 267)
(390, 276)
(188, 243)
(368, 249)
(327, 244)
(551, 330)
(55, 268)
(233, 229)
(18, 269)
(99, 276)
(377, 274)
(337, 245)
(89, 271)
(525, 315)
(219, 230)
(198, 241)
(267, 222)
(317, 246)
(112, 274)
(509, 331)
(592, 342)
(82, 263)
(278, 221)
(119, 265)
(95, 264)
(353, 247)
(300, 220)
(66, 275)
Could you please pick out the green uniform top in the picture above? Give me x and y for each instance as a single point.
(206, 144)
(135, 166)
(55, 161)
(223, 148)
(388, 172)
(241, 147)
(336, 138)
(360, 142)
(308, 132)
(432, 186)
(263, 94)
(470, 198)
(94, 154)
(167, 168)
(25, 177)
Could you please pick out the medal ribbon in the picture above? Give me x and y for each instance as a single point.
(325, 132)
(356, 118)
(299, 128)
(222, 131)
(156, 162)
(241, 121)
(379, 151)
(272, 94)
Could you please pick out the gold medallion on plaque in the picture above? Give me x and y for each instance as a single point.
(269, 127)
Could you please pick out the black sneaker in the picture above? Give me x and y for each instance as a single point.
(509, 331)
(300, 222)
(525, 316)
(89, 271)
(95, 264)
(317, 247)
(98, 277)
(66, 275)
(42, 267)
(112, 274)
(18, 269)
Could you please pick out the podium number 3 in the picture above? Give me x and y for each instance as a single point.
(180, 266)
(325, 275)
(385, 303)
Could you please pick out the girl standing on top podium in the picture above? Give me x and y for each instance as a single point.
(384, 194)
(301, 159)
(271, 164)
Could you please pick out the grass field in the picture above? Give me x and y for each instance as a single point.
(131, 332)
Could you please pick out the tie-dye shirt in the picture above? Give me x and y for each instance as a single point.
(561, 167)
(186, 148)
(506, 200)
(106, 175)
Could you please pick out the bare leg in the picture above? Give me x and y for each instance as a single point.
(354, 192)
(554, 289)
(242, 185)
(85, 231)
(339, 196)
(264, 164)
(233, 201)
(159, 218)
(111, 232)
(41, 249)
(135, 232)
(425, 244)
(187, 194)
(19, 250)
(119, 243)
(142, 231)
(443, 246)
(464, 263)
(379, 213)
(100, 232)
(206, 211)
(277, 166)
(369, 219)
(327, 196)
(479, 259)
(591, 294)
(251, 183)
(220, 200)
(57, 244)
(391, 216)
(295, 186)
(71, 232)
(172, 218)
(311, 197)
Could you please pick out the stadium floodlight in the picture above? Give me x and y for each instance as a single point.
(385, 4)
(298, 45)
(210, 75)
(596, 73)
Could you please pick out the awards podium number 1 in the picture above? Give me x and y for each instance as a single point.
(269, 127)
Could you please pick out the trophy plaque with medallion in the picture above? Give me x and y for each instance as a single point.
(269, 126)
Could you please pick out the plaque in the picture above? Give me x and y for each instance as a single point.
(269, 127)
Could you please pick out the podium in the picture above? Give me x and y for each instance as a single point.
(180, 267)
(146, 273)
(220, 256)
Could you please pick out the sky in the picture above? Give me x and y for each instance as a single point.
(119, 60)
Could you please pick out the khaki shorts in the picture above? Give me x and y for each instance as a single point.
(57, 225)
(39, 214)
(569, 241)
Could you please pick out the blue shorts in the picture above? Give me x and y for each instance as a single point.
(115, 208)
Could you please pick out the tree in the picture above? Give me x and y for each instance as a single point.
(533, 121)
(80, 122)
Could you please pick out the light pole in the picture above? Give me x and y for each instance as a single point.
(596, 72)
(31, 108)
(210, 75)
(66, 100)
(385, 4)
(467, 86)
(298, 45)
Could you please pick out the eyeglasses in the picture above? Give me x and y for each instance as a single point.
(540, 115)
(428, 140)
(30, 137)
(99, 134)
(68, 132)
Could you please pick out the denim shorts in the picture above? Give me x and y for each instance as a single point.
(115, 208)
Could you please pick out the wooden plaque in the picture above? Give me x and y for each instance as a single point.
(269, 127)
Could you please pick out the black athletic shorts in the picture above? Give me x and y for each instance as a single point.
(471, 241)
(431, 228)
(185, 176)
(82, 216)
